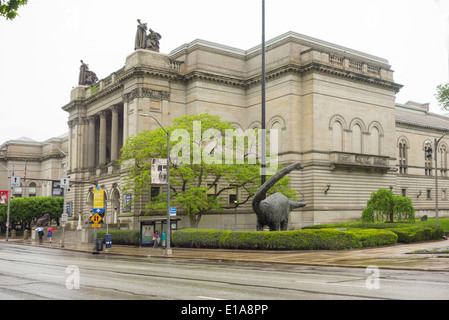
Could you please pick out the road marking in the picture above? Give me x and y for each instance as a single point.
(329, 283)
(49, 275)
(209, 298)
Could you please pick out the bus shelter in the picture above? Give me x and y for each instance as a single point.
(149, 227)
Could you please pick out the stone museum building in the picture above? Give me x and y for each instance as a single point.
(335, 109)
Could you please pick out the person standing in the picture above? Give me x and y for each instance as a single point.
(156, 239)
(163, 240)
(49, 235)
(41, 235)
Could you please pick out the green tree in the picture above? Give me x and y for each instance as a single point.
(198, 184)
(24, 211)
(9, 8)
(442, 96)
(384, 205)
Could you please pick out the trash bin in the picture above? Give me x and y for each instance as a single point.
(99, 245)
(108, 241)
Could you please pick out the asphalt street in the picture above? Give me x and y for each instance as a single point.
(44, 273)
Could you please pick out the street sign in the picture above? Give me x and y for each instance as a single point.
(172, 211)
(15, 181)
(96, 225)
(96, 218)
(65, 183)
(98, 198)
(64, 217)
(98, 210)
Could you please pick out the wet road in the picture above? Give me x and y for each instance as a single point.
(36, 273)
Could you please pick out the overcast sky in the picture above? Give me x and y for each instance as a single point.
(40, 51)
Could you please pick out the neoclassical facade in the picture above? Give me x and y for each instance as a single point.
(40, 165)
(335, 109)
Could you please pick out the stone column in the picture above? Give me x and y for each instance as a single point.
(91, 143)
(114, 133)
(126, 99)
(103, 137)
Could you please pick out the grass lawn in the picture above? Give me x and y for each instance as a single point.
(443, 223)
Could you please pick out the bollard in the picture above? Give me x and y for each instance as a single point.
(13, 234)
(25, 235)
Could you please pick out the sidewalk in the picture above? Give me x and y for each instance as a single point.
(392, 257)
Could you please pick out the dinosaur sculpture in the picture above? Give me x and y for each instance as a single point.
(274, 210)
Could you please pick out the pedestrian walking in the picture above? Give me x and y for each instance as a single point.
(156, 239)
(49, 234)
(163, 240)
(40, 233)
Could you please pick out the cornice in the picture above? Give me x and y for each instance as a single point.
(292, 68)
(146, 71)
(103, 93)
(422, 126)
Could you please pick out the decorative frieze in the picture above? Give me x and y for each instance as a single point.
(354, 161)
(145, 93)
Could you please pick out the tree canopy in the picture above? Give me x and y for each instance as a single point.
(442, 96)
(200, 177)
(384, 205)
(9, 8)
(24, 211)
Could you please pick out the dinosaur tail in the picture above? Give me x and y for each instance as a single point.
(262, 192)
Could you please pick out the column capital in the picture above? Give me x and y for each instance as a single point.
(103, 113)
(92, 118)
(114, 108)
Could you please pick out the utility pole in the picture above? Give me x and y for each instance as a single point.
(263, 138)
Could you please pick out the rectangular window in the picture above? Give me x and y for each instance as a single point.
(429, 194)
(444, 194)
(232, 197)
(404, 192)
(155, 191)
(212, 190)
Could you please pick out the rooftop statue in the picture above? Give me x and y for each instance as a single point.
(144, 41)
(87, 77)
(274, 210)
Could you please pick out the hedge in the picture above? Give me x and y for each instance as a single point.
(325, 239)
(407, 233)
(418, 233)
(121, 237)
(375, 237)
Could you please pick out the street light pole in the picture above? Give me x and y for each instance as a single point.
(65, 189)
(263, 138)
(9, 200)
(437, 141)
(168, 250)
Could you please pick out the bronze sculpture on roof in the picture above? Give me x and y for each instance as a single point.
(144, 41)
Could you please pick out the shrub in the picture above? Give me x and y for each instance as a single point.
(383, 205)
(122, 237)
(413, 234)
(284, 240)
(375, 237)
(406, 232)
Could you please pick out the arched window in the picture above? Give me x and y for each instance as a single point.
(428, 158)
(356, 139)
(403, 156)
(443, 160)
(337, 136)
(32, 189)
